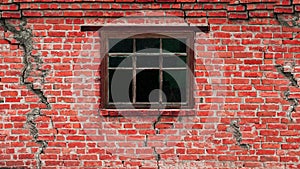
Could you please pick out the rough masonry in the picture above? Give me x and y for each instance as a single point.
(246, 90)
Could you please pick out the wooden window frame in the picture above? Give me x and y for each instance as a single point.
(147, 32)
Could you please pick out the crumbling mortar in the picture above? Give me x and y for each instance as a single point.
(234, 124)
(294, 102)
(288, 75)
(24, 36)
(30, 122)
(293, 21)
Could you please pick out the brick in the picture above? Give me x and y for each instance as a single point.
(217, 20)
(166, 0)
(238, 15)
(185, 0)
(236, 8)
(227, 158)
(289, 159)
(9, 93)
(280, 9)
(11, 7)
(236, 48)
(265, 152)
(222, 35)
(9, 80)
(231, 28)
(217, 14)
(57, 34)
(253, 61)
(92, 163)
(251, 28)
(7, 14)
(261, 14)
(196, 13)
(32, 13)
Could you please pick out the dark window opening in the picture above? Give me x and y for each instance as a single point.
(146, 72)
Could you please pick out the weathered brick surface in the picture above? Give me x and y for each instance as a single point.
(246, 95)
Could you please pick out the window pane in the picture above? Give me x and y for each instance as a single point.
(120, 45)
(174, 61)
(120, 89)
(173, 45)
(148, 45)
(146, 82)
(174, 85)
(147, 61)
(120, 61)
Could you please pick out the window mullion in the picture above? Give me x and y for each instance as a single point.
(160, 72)
(134, 72)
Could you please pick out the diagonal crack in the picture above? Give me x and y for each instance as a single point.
(35, 134)
(288, 75)
(24, 36)
(234, 124)
(292, 22)
(294, 102)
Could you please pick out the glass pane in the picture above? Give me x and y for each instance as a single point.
(174, 85)
(146, 83)
(117, 92)
(147, 61)
(173, 45)
(149, 45)
(174, 61)
(120, 46)
(120, 61)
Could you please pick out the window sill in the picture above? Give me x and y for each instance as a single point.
(147, 112)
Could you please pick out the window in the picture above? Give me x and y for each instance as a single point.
(147, 69)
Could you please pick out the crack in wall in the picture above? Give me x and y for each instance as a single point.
(288, 75)
(234, 124)
(146, 141)
(24, 36)
(288, 19)
(155, 123)
(157, 157)
(35, 134)
(292, 22)
(294, 102)
(184, 14)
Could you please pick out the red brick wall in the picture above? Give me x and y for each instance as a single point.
(246, 92)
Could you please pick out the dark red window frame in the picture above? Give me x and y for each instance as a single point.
(107, 33)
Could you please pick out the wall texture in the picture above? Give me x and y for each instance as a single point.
(246, 92)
